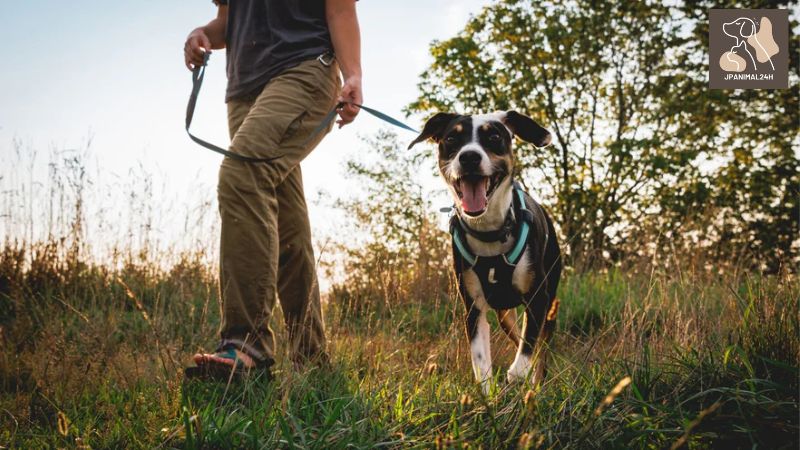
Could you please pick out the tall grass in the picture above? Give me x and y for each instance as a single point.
(92, 343)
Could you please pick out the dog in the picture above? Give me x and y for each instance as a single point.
(505, 249)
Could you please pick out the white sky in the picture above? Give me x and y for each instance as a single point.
(113, 71)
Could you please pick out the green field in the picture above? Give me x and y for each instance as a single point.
(92, 358)
(676, 208)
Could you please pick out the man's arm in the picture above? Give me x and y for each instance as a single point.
(203, 39)
(346, 37)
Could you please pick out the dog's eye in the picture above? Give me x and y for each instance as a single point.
(494, 137)
(449, 140)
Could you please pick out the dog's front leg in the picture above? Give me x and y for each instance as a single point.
(478, 331)
(530, 350)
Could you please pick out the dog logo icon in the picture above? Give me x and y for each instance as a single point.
(748, 48)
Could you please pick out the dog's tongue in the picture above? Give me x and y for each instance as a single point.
(473, 194)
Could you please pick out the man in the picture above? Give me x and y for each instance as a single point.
(284, 59)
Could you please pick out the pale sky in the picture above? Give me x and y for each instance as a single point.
(113, 71)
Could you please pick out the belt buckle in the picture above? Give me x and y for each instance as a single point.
(322, 59)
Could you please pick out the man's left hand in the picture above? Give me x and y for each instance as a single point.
(351, 93)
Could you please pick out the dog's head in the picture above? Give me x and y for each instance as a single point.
(476, 155)
(739, 29)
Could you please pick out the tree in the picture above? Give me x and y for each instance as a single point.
(622, 86)
(747, 207)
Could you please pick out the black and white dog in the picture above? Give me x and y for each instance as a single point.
(505, 250)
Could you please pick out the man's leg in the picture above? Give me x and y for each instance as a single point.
(298, 289)
(247, 240)
(277, 123)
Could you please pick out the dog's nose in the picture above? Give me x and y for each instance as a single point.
(470, 159)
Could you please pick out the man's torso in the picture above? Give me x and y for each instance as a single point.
(266, 37)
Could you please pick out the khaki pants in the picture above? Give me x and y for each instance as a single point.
(265, 247)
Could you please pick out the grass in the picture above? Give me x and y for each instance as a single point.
(92, 348)
(92, 359)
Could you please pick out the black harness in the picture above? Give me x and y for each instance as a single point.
(495, 272)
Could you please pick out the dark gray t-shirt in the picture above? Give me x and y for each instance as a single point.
(266, 37)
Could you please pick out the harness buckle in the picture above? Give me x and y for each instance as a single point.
(326, 59)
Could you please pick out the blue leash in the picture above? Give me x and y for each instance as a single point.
(199, 73)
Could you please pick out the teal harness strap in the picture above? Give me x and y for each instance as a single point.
(516, 252)
(514, 255)
(469, 257)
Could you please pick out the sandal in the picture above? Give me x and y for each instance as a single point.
(229, 362)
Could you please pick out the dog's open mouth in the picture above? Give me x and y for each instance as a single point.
(474, 192)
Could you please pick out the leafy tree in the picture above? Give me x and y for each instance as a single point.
(747, 208)
(641, 145)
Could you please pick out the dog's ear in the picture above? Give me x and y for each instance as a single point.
(746, 28)
(434, 128)
(527, 129)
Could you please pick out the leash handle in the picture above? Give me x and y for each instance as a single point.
(198, 74)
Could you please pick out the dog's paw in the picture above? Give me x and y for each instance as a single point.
(520, 369)
(515, 377)
(486, 387)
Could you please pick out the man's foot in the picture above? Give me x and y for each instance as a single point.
(225, 364)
